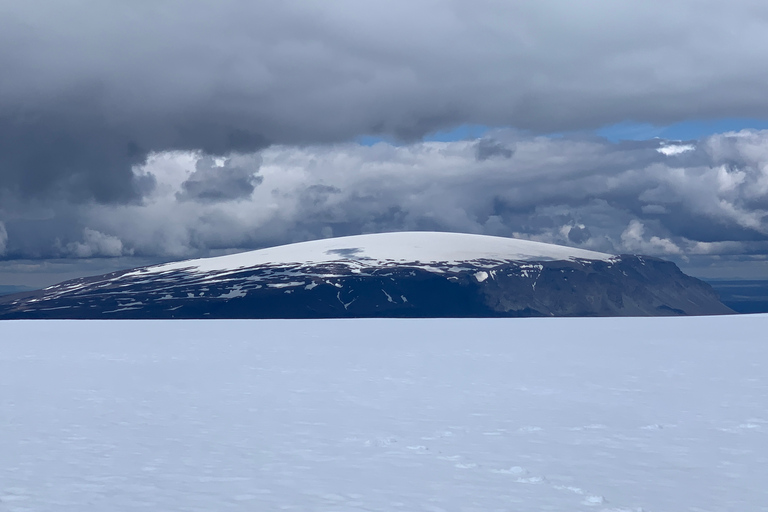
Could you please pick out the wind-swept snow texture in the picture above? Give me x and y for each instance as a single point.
(612, 414)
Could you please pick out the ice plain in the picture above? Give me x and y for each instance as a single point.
(604, 414)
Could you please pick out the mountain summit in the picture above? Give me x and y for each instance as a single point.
(405, 274)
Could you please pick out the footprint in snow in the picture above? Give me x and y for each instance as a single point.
(522, 475)
(743, 427)
(381, 442)
(531, 480)
(514, 470)
(594, 426)
(593, 500)
(657, 426)
(575, 490)
(590, 499)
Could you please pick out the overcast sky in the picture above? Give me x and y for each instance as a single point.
(135, 132)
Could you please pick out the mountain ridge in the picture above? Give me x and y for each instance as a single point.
(408, 274)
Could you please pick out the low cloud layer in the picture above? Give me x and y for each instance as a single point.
(93, 244)
(90, 88)
(3, 238)
(706, 201)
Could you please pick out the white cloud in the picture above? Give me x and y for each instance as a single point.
(675, 149)
(633, 240)
(96, 244)
(583, 192)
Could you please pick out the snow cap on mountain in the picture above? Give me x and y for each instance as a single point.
(399, 247)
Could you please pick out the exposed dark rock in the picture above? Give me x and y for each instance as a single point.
(621, 286)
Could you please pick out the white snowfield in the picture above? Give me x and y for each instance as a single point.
(383, 248)
(607, 414)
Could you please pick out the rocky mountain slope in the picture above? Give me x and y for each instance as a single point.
(408, 274)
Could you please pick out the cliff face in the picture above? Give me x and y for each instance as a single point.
(619, 286)
(625, 286)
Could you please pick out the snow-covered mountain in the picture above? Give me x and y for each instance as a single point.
(406, 274)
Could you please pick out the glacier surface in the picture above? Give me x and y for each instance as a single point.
(380, 249)
(606, 414)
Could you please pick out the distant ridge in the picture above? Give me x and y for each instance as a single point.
(743, 295)
(8, 290)
(404, 274)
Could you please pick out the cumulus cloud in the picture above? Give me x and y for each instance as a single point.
(633, 240)
(94, 244)
(706, 204)
(91, 88)
(585, 192)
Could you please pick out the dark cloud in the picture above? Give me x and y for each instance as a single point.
(579, 234)
(215, 181)
(68, 155)
(3, 238)
(137, 129)
(90, 88)
(488, 148)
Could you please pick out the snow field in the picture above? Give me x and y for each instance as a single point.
(382, 248)
(607, 414)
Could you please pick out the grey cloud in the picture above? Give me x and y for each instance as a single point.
(579, 234)
(90, 88)
(696, 206)
(216, 182)
(576, 191)
(488, 148)
(95, 244)
(67, 155)
(3, 238)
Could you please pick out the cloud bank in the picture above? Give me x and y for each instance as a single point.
(704, 199)
(90, 88)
